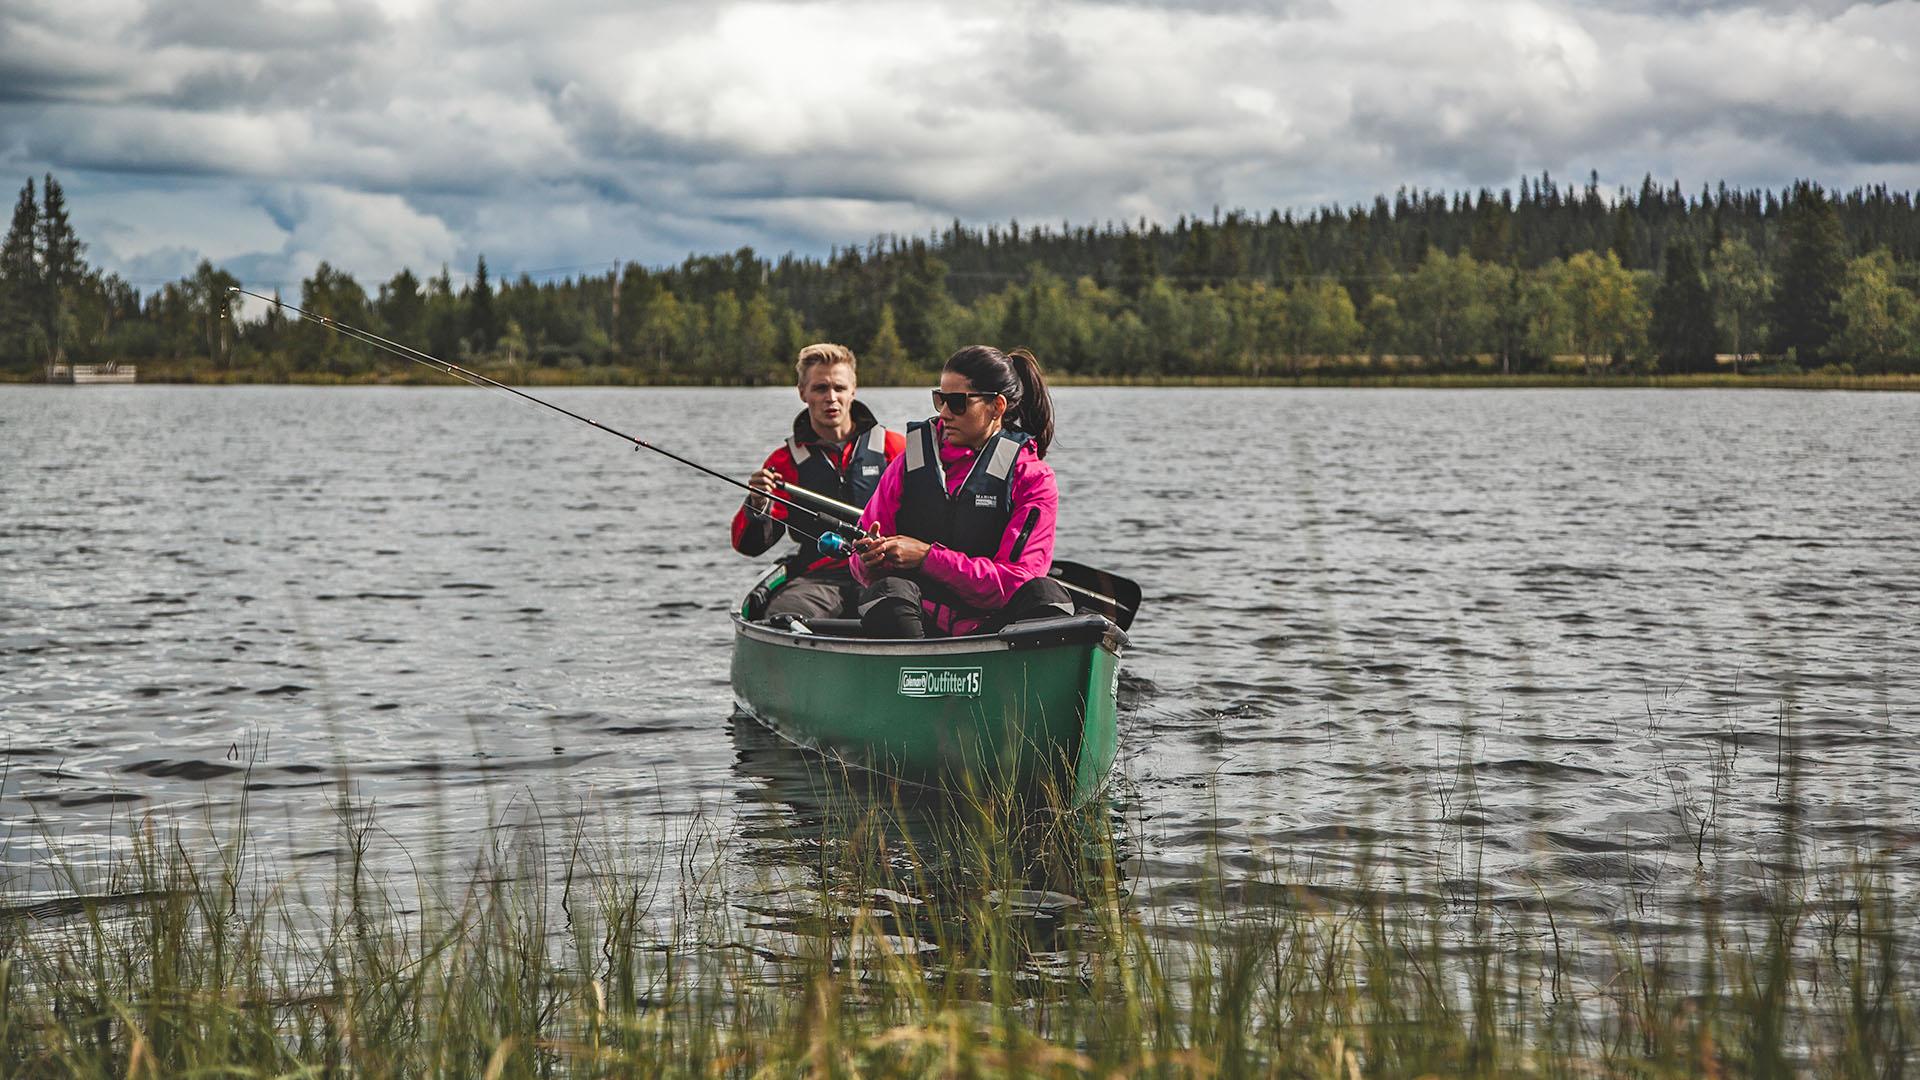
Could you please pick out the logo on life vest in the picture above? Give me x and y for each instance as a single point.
(869, 470)
(987, 501)
(940, 682)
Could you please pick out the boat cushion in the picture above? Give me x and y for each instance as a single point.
(1063, 630)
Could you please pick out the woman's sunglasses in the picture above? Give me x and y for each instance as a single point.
(956, 401)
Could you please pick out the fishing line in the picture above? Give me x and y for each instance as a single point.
(833, 543)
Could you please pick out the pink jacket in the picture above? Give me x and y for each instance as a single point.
(985, 584)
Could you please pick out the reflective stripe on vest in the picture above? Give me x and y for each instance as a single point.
(917, 448)
(1005, 452)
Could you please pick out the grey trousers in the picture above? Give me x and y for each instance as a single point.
(829, 593)
(890, 607)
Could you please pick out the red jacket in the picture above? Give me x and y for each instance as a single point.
(754, 533)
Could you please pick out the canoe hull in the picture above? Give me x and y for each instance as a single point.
(1032, 708)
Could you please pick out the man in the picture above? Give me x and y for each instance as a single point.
(838, 450)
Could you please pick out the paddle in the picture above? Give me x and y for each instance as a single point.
(1108, 593)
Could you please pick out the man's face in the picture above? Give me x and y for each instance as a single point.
(828, 391)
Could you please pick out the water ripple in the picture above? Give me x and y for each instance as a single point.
(1595, 638)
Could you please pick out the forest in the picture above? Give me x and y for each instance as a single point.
(1553, 278)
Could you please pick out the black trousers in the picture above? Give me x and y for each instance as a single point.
(890, 607)
(827, 593)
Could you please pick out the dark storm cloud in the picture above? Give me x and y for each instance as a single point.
(567, 133)
(252, 26)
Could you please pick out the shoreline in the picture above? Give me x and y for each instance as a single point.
(559, 377)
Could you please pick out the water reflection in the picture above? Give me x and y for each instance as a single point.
(920, 861)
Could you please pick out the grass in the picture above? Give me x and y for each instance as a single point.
(973, 939)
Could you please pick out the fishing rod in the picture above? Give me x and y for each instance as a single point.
(822, 506)
(831, 542)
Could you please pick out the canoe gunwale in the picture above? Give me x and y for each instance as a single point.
(978, 643)
(1039, 634)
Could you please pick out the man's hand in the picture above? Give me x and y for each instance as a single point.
(891, 552)
(763, 480)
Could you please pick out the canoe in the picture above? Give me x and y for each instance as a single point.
(1029, 709)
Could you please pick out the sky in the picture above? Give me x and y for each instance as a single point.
(563, 136)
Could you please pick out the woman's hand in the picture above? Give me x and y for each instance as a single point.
(891, 552)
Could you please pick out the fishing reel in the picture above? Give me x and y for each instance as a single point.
(838, 544)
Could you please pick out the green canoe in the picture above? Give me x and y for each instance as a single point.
(1030, 708)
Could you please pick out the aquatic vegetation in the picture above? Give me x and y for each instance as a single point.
(969, 938)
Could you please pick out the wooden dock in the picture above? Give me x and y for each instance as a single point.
(84, 374)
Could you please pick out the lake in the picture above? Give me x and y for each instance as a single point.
(1580, 643)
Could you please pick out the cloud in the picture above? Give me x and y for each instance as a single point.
(271, 237)
(353, 229)
(567, 133)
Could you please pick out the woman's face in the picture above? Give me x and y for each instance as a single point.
(975, 424)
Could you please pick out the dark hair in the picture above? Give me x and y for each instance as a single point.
(1015, 376)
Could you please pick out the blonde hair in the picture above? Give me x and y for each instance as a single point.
(824, 352)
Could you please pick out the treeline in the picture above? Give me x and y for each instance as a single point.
(1555, 277)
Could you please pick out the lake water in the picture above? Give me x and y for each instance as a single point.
(1581, 642)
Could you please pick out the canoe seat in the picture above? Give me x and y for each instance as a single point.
(1063, 630)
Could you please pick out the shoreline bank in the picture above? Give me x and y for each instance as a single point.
(552, 377)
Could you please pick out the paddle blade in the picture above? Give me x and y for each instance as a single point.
(1109, 594)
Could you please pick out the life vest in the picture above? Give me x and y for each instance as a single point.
(820, 474)
(970, 520)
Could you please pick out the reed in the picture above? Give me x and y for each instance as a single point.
(977, 938)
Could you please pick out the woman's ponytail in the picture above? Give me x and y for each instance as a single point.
(1034, 413)
(1016, 377)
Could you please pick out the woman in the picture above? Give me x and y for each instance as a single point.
(961, 525)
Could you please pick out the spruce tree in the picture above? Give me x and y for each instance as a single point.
(1682, 330)
(480, 326)
(1196, 260)
(919, 302)
(61, 266)
(1492, 230)
(1810, 273)
(1136, 264)
(403, 308)
(19, 255)
(20, 277)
